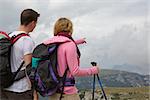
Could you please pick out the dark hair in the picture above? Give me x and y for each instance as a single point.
(27, 16)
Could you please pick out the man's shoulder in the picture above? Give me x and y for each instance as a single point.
(15, 33)
(24, 39)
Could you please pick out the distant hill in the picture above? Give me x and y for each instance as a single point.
(115, 78)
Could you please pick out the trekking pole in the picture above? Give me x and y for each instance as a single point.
(93, 87)
(101, 87)
(100, 83)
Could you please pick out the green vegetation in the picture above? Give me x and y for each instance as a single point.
(122, 93)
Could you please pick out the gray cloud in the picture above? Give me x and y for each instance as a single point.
(113, 28)
(126, 49)
(50, 10)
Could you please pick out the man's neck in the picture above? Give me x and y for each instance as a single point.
(23, 28)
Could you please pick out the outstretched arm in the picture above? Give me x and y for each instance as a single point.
(80, 41)
(72, 61)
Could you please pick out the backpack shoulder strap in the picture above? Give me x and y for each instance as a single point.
(16, 74)
(16, 37)
(13, 40)
(64, 78)
(19, 67)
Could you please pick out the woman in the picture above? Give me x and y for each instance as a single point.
(68, 57)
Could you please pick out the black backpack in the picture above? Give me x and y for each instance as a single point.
(6, 76)
(44, 75)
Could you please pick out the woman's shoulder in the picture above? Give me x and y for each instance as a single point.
(69, 46)
(69, 43)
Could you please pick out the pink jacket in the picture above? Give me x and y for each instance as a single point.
(67, 55)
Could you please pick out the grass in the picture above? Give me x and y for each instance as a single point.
(126, 93)
(141, 90)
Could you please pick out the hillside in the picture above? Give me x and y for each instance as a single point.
(115, 78)
(118, 85)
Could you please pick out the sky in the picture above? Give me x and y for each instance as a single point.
(116, 31)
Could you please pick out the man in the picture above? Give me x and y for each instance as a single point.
(22, 51)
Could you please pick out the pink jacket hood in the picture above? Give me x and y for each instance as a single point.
(57, 39)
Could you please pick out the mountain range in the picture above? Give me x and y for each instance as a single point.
(115, 78)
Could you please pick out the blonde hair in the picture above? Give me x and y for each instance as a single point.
(63, 25)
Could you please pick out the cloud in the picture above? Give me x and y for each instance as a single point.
(126, 47)
(114, 29)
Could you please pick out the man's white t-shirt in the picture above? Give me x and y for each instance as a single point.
(23, 46)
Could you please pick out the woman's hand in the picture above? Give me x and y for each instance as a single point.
(80, 41)
(97, 69)
(84, 40)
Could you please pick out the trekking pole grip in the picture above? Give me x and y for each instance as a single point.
(94, 63)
